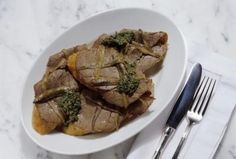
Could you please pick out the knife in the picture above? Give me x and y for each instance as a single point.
(180, 108)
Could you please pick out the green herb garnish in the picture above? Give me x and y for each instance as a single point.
(119, 40)
(70, 105)
(129, 83)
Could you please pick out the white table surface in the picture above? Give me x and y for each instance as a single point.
(27, 27)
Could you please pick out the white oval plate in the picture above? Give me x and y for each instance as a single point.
(168, 81)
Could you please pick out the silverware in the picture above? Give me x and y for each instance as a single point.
(180, 108)
(198, 109)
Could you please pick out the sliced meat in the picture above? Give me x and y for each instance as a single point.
(132, 54)
(123, 100)
(99, 68)
(94, 118)
(98, 116)
(138, 35)
(102, 70)
(53, 84)
(93, 78)
(46, 117)
(59, 60)
(144, 57)
(155, 38)
(60, 78)
(97, 57)
(148, 38)
(100, 40)
(160, 51)
(147, 62)
(138, 107)
(95, 67)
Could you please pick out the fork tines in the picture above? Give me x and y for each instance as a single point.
(203, 95)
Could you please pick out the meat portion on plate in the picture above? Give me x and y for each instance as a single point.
(96, 115)
(117, 60)
(47, 116)
(54, 84)
(100, 86)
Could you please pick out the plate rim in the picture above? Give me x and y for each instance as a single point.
(176, 91)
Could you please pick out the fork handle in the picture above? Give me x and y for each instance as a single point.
(183, 140)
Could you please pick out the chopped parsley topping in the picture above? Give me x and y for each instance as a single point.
(70, 105)
(119, 40)
(128, 83)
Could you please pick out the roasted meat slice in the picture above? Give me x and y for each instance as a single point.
(56, 78)
(98, 87)
(150, 52)
(93, 67)
(59, 60)
(139, 107)
(46, 117)
(98, 116)
(46, 113)
(135, 53)
(94, 78)
(146, 62)
(100, 67)
(97, 57)
(100, 40)
(95, 116)
(53, 84)
(124, 100)
(154, 38)
(90, 66)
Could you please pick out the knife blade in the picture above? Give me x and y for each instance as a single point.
(180, 108)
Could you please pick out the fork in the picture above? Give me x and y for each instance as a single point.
(197, 109)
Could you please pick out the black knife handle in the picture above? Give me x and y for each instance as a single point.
(186, 97)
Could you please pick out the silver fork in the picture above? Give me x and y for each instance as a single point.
(198, 109)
